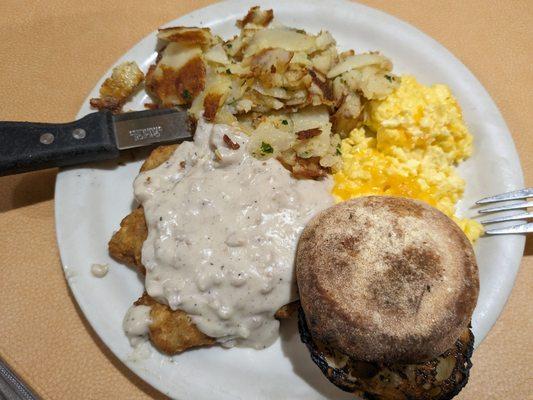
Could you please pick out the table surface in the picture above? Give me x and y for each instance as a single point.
(52, 53)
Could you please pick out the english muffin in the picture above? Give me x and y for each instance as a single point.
(387, 281)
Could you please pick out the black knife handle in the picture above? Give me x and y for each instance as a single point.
(27, 146)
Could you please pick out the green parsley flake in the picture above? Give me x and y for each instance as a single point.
(285, 122)
(266, 148)
(186, 95)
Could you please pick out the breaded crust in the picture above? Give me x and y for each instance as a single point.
(386, 279)
(171, 331)
(158, 156)
(126, 243)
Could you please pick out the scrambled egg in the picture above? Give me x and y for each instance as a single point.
(408, 146)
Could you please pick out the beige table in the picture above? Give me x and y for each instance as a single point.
(52, 53)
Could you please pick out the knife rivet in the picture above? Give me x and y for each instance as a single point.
(79, 133)
(46, 138)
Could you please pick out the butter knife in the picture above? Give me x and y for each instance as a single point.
(28, 146)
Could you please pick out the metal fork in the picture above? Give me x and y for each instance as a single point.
(521, 194)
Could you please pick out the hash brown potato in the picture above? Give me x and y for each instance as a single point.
(116, 89)
(273, 82)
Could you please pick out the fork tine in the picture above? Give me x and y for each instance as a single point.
(521, 228)
(515, 206)
(515, 195)
(505, 218)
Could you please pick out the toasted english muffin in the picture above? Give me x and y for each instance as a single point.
(440, 378)
(386, 279)
(387, 289)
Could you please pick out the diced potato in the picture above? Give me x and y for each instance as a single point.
(324, 40)
(116, 89)
(256, 17)
(270, 61)
(179, 76)
(301, 58)
(276, 92)
(282, 38)
(323, 61)
(187, 36)
(272, 77)
(310, 117)
(175, 55)
(268, 141)
(359, 61)
(216, 54)
(212, 98)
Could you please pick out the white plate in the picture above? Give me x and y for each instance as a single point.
(91, 201)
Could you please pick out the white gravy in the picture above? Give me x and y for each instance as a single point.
(99, 270)
(222, 233)
(136, 324)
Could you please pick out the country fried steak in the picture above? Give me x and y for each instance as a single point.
(171, 331)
